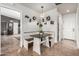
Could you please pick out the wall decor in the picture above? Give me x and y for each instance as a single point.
(43, 20)
(40, 25)
(45, 23)
(34, 18)
(37, 23)
(51, 22)
(48, 18)
(26, 16)
(30, 20)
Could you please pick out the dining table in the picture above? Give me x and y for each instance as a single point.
(40, 35)
(39, 39)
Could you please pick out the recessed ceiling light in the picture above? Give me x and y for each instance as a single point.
(67, 10)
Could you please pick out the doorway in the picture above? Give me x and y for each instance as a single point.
(69, 26)
(10, 31)
(69, 30)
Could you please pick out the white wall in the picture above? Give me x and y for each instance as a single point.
(31, 27)
(54, 16)
(69, 25)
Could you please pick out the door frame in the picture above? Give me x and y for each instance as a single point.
(18, 10)
(72, 29)
(0, 30)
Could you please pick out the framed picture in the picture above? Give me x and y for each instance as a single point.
(37, 23)
(51, 22)
(30, 20)
(43, 20)
(34, 18)
(45, 23)
(48, 18)
(26, 16)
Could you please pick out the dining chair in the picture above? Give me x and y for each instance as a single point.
(46, 43)
(27, 39)
(51, 40)
(37, 44)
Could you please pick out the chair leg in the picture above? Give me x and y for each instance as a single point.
(26, 44)
(36, 45)
(52, 42)
(47, 42)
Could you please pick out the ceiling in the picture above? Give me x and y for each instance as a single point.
(62, 8)
(67, 8)
(8, 19)
(10, 13)
(37, 6)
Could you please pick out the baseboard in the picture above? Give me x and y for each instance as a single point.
(69, 39)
